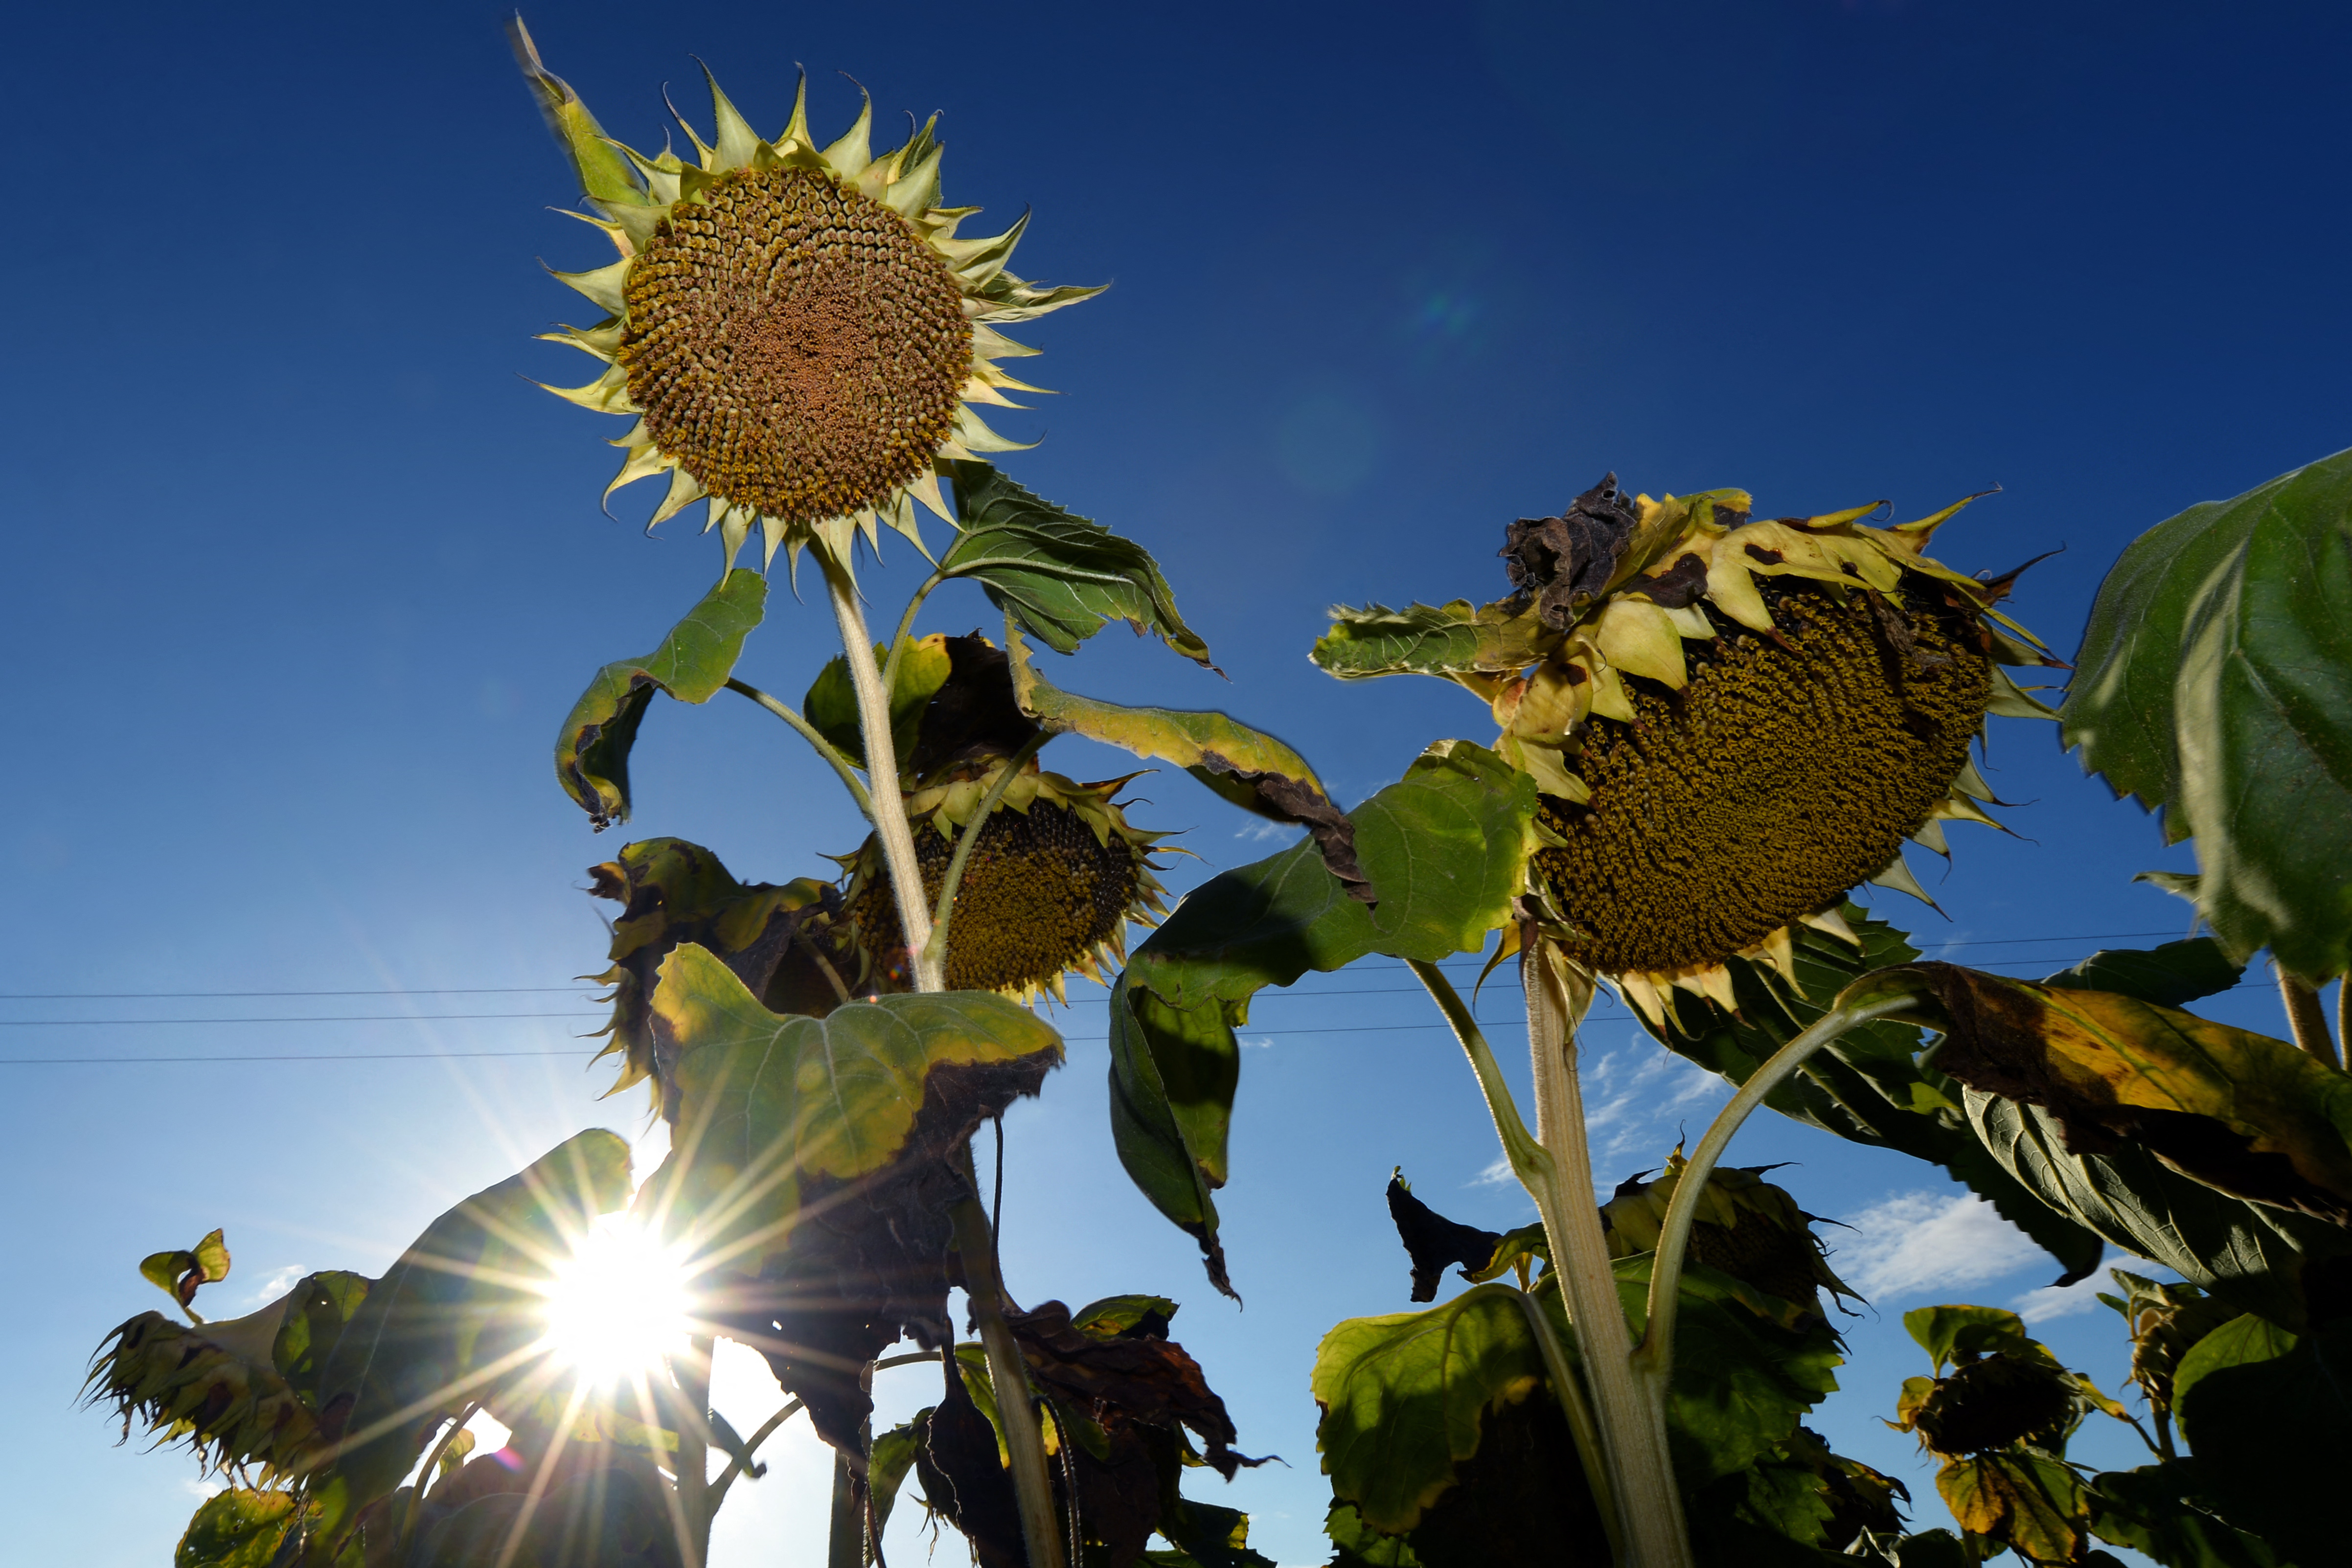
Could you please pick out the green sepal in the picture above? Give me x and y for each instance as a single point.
(2215, 682)
(606, 176)
(692, 664)
(1061, 577)
(1444, 640)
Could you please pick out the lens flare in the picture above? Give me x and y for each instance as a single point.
(618, 1304)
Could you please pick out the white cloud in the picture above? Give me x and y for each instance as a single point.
(1922, 1243)
(276, 1284)
(1263, 1042)
(1259, 833)
(2062, 1301)
(1499, 1174)
(203, 1489)
(1636, 1099)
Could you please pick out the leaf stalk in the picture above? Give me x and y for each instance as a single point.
(1024, 1441)
(808, 732)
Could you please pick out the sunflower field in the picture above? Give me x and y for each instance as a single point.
(1692, 729)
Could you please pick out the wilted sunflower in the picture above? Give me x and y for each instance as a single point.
(796, 330)
(1050, 887)
(1733, 721)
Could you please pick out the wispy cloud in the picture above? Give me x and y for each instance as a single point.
(1499, 1174)
(276, 1284)
(1637, 1097)
(2062, 1301)
(1262, 1043)
(1911, 1244)
(1261, 831)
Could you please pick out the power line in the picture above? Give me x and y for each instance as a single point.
(326, 1017)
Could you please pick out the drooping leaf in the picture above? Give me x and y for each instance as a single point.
(2160, 1510)
(831, 704)
(692, 664)
(2024, 1501)
(1868, 1086)
(1061, 575)
(783, 943)
(458, 1318)
(2253, 1116)
(1446, 846)
(2171, 976)
(1247, 766)
(179, 1274)
(1796, 1505)
(810, 1164)
(237, 1528)
(2216, 682)
(1956, 1335)
(1457, 638)
(1435, 1243)
(2258, 1258)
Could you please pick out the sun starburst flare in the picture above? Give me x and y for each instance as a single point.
(619, 1307)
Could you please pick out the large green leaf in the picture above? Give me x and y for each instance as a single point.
(1247, 766)
(2270, 1417)
(2160, 1510)
(1869, 1085)
(1799, 1506)
(2253, 1116)
(1447, 846)
(237, 1528)
(1457, 638)
(1062, 577)
(2216, 682)
(2021, 1500)
(2169, 976)
(458, 1318)
(692, 664)
(814, 1163)
(831, 704)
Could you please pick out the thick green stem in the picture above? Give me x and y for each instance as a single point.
(1655, 1358)
(1632, 1419)
(2307, 1018)
(693, 1375)
(845, 1543)
(889, 808)
(808, 732)
(968, 839)
(1024, 1441)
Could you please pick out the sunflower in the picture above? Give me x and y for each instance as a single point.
(1731, 721)
(797, 332)
(1058, 874)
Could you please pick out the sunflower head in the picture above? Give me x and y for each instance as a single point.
(796, 331)
(1733, 720)
(1055, 877)
(1745, 1228)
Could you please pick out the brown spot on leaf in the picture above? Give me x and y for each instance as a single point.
(1295, 801)
(1676, 588)
(1768, 555)
(1563, 563)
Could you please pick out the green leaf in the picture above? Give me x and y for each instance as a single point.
(2160, 1510)
(238, 1527)
(2250, 1115)
(1247, 766)
(2023, 1499)
(1955, 1334)
(615, 1511)
(460, 1317)
(2252, 1255)
(2215, 681)
(887, 1462)
(1356, 1544)
(1799, 1504)
(178, 1274)
(831, 706)
(1062, 577)
(1432, 640)
(1447, 846)
(1869, 1086)
(858, 1117)
(2169, 976)
(2273, 1433)
(692, 664)
(1116, 1315)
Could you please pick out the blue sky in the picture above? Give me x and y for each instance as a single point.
(302, 574)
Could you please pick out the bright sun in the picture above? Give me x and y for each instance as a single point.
(618, 1304)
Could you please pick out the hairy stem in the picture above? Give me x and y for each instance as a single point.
(1024, 1439)
(693, 1374)
(2306, 1017)
(1655, 1358)
(807, 731)
(889, 807)
(967, 841)
(1632, 1417)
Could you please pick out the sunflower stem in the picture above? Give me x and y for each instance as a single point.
(693, 1374)
(1632, 1417)
(751, 1447)
(1024, 1441)
(2306, 1017)
(967, 841)
(845, 1544)
(1570, 1391)
(808, 732)
(905, 625)
(1655, 1357)
(889, 807)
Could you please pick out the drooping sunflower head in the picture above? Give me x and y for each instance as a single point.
(1053, 881)
(796, 330)
(1745, 1228)
(1732, 720)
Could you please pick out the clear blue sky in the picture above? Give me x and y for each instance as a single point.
(301, 575)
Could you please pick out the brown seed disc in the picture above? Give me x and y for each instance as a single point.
(1779, 778)
(1038, 894)
(795, 343)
